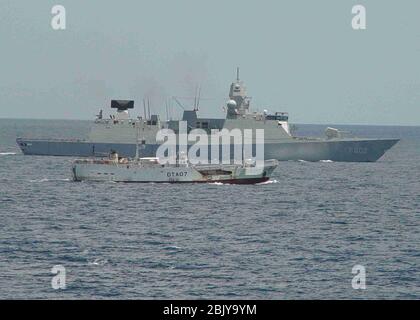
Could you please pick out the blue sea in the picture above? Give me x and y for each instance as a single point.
(295, 237)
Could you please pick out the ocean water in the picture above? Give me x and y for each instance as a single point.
(296, 237)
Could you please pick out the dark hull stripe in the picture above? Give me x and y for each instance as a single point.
(229, 181)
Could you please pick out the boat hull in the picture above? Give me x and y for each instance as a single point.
(133, 173)
(351, 150)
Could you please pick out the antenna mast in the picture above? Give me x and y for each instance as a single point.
(137, 142)
(167, 110)
(237, 74)
(144, 107)
(198, 99)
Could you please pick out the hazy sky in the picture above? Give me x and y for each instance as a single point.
(297, 56)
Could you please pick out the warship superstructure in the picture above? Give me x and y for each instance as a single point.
(121, 133)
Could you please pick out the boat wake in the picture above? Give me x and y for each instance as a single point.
(257, 184)
(8, 153)
(49, 180)
(267, 182)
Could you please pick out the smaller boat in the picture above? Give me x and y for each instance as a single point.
(143, 170)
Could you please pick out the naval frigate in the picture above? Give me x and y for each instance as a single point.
(121, 133)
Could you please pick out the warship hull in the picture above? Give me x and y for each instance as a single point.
(343, 150)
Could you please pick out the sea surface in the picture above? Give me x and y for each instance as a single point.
(296, 237)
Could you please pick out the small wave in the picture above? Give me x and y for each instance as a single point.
(173, 248)
(39, 180)
(49, 180)
(98, 262)
(326, 161)
(302, 161)
(8, 153)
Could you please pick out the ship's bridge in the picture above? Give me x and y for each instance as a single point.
(279, 116)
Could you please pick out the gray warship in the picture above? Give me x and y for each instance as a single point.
(121, 133)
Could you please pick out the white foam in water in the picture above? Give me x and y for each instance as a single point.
(326, 161)
(41, 180)
(173, 247)
(50, 180)
(98, 262)
(268, 182)
(7, 153)
(259, 184)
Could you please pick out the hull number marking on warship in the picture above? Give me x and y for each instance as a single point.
(177, 174)
(357, 150)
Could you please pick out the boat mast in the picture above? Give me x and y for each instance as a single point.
(144, 107)
(137, 142)
(198, 97)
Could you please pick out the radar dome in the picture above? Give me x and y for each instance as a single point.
(231, 103)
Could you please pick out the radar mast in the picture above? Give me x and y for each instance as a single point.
(238, 94)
